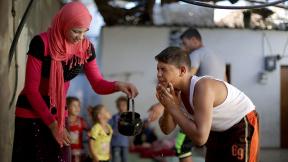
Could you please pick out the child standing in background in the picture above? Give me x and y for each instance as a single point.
(119, 143)
(100, 134)
(76, 127)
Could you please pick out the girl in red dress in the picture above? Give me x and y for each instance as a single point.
(77, 125)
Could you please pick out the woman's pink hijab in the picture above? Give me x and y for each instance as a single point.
(71, 15)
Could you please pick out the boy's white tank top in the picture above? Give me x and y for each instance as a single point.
(230, 112)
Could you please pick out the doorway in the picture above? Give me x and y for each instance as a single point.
(284, 106)
(228, 73)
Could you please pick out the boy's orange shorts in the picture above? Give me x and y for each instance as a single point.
(240, 143)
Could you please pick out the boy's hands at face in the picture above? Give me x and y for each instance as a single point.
(167, 96)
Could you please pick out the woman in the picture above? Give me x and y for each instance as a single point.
(54, 58)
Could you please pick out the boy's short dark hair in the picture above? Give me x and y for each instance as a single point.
(120, 99)
(191, 32)
(70, 99)
(175, 56)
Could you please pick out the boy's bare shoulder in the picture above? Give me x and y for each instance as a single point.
(204, 83)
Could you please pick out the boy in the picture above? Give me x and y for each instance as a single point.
(203, 62)
(119, 142)
(208, 110)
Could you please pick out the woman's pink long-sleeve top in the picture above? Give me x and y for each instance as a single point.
(36, 86)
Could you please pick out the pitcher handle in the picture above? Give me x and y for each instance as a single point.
(133, 107)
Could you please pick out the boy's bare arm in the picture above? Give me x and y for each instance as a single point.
(167, 123)
(198, 130)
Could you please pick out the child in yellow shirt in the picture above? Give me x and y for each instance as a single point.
(100, 134)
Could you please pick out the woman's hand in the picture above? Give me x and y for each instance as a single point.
(129, 89)
(66, 137)
(167, 96)
(63, 139)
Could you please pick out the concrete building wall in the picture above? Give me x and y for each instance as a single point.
(5, 31)
(132, 49)
(38, 20)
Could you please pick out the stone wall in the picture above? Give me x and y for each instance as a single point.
(38, 20)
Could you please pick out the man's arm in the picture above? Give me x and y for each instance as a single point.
(193, 70)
